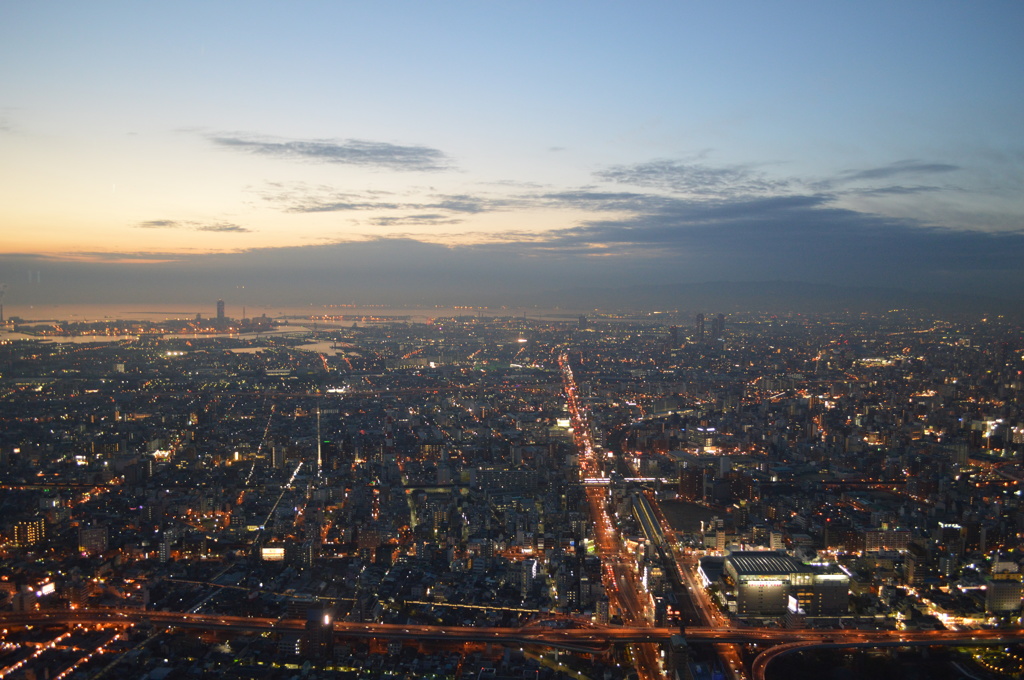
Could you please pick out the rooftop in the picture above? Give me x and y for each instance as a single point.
(763, 563)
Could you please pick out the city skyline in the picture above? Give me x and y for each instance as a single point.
(459, 151)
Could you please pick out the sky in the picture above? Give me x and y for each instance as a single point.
(479, 151)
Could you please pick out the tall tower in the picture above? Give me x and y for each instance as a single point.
(700, 328)
(220, 313)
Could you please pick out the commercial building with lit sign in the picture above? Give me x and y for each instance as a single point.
(272, 553)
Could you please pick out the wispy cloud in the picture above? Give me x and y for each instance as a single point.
(895, 191)
(695, 179)
(587, 199)
(223, 227)
(899, 168)
(159, 224)
(300, 197)
(347, 152)
(189, 225)
(415, 220)
(869, 178)
(464, 203)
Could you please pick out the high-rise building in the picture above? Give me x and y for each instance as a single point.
(318, 637)
(93, 540)
(700, 328)
(29, 532)
(220, 313)
(920, 565)
(528, 576)
(718, 326)
(691, 484)
(673, 335)
(1003, 593)
(164, 550)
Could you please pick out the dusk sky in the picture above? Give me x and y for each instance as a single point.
(352, 152)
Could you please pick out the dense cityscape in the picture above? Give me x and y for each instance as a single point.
(490, 495)
(511, 340)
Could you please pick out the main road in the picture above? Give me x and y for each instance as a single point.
(620, 582)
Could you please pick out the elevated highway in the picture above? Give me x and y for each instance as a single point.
(594, 638)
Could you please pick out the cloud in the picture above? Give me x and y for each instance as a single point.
(585, 199)
(697, 179)
(898, 168)
(903, 188)
(339, 206)
(300, 197)
(464, 203)
(188, 225)
(159, 224)
(677, 241)
(905, 168)
(894, 191)
(801, 236)
(223, 227)
(416, 220)
(694, 223)
(346, 152)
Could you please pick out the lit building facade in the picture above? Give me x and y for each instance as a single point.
(29, 532)
(764, 581)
